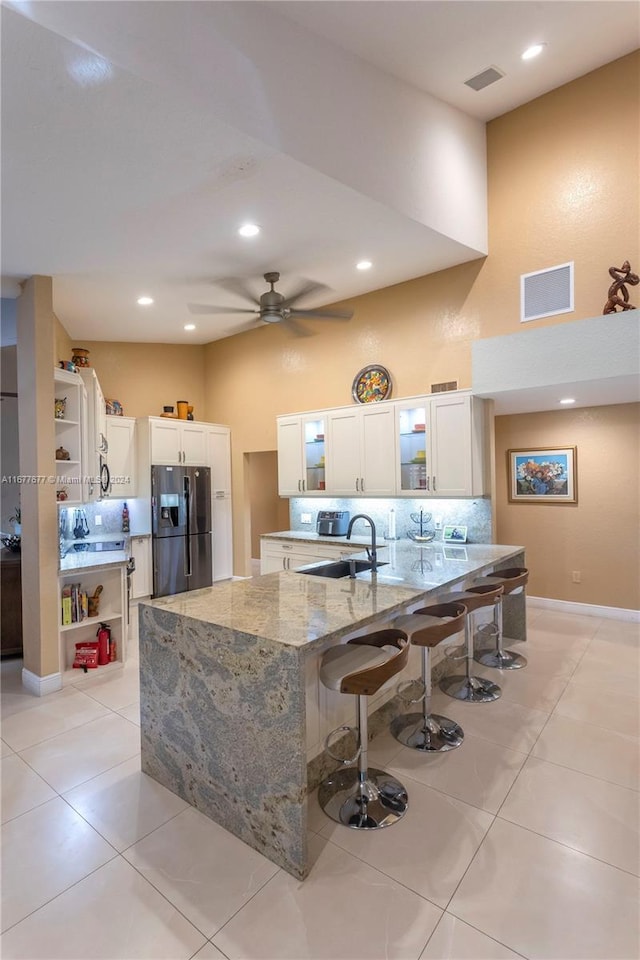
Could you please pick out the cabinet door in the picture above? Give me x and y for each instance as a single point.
(451, 472)
(165, 441)
(122, 456)
(377, 454)
(219, 459)
(100, 418)
(343, 453)
(194, 443)
(289, 456)
(313, 455)
(222, 538)
(141, 579)
(413, 465)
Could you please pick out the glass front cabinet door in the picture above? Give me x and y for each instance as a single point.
(414, 439)
(313, 455)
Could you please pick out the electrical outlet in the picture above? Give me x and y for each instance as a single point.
(97, 520)
(305, 518)
(438, 523)
(575, 576)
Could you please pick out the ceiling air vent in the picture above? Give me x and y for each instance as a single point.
(546, 293)
(443, 387)
(484, 79)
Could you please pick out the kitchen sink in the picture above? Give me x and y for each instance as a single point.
(337, 569)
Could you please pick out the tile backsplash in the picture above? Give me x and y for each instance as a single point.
(474, 513)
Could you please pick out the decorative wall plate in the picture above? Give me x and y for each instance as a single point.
(371, 384)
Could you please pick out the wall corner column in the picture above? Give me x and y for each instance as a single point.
(40, 606)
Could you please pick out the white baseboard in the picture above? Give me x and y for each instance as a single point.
(41, 686)
(585, 609)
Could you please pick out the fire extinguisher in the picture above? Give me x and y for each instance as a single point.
(104, 639)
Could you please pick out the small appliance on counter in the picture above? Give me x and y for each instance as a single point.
(332, 523)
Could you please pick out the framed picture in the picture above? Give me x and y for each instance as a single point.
(542, 475)
(454, 533)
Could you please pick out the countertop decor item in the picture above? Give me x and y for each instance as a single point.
(618, 296)
(542, 475)
(421, 535)
(371, 384)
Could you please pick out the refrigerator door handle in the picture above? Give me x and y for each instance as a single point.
(187, 539)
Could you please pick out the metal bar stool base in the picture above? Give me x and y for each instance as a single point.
(471, 689)
(437, 735)
(380, 801)
(500, 659)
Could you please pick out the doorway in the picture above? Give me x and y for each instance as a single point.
(268, 513)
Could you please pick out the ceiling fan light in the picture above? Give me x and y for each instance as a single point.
(364, 265)
(249, 230)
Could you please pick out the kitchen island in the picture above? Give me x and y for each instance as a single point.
(228, 682)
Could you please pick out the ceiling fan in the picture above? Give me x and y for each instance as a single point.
(273, 307)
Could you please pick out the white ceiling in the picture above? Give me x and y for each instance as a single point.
(118, 180)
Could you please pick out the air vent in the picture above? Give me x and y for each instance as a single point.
(443, 387)
(546, 293)
(484, 79)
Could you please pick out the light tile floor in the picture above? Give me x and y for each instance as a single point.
(522, 843)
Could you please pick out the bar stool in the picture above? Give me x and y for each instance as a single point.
(468, 687)
(513, 580)
(366, 798)
(427, 628)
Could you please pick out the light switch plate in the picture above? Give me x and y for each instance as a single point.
(305, 518)
(97, 520)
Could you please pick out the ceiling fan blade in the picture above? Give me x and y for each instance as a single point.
(307, 288)
(237, 287)
(295, 329)
(201, 308)
(321, 314)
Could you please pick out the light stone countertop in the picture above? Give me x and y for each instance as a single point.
(92, 561)
(297, 609)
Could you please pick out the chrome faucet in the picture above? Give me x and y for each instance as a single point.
(371, 553)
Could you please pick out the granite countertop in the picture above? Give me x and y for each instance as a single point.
(92, 561)
(363, 537)
(299, 610)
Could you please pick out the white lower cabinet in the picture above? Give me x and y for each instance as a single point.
(277, 555)
(111, 610)
(141, 578)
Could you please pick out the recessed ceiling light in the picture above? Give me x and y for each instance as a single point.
(189, 326)
(568, 400)
(533, 51)
(249, 230)
(364, 265)
(145, 301)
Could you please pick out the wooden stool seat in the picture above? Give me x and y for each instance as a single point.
(366, 798)
(512, 580)
(467, 687)
(426, 628)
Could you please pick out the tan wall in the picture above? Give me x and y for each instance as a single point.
(598, 536)
(268, 511)
(63, 343)
(563, 186)
(40, 601)
(144, 377)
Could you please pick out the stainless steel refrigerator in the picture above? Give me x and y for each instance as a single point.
(181, 529)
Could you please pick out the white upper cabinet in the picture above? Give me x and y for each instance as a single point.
(361, 451)
(440, 445)
(429, 446)
(301, 455)
(178, 441)
(120, 432)
(219, 459)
